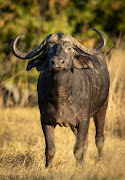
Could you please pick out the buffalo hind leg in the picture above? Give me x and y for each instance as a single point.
(50, 144)
(99, 119)
(80, 147)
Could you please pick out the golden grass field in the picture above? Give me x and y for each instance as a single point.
(22, 144)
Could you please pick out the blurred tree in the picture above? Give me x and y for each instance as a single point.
(39, 18)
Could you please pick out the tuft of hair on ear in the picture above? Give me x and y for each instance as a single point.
(82, 62)
(33, 63)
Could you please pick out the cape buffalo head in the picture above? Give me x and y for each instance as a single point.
(59, 51)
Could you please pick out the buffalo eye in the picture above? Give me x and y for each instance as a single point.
(68, 49)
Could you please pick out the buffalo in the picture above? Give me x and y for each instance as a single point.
(73, 86)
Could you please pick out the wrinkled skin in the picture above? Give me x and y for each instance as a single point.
(72, 87)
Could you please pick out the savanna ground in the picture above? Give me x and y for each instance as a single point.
(22, 145)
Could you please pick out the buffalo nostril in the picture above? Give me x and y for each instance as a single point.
(52, 62)
(62, 62)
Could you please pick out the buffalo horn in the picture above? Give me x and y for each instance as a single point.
(31, 54)
(92, 51)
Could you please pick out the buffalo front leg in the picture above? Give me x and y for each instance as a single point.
(50, 143)
(74, 130)
(80, 147)
(99, 120)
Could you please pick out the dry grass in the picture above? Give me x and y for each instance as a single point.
(22, 141)
(22, 151)
(116, 109)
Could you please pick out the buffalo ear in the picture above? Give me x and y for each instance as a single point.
(38, 63)
(82, 62)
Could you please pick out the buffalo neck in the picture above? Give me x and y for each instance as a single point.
(59, 86)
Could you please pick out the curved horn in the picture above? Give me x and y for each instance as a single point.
(92, 51)
(31, 54)
(103, 39)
